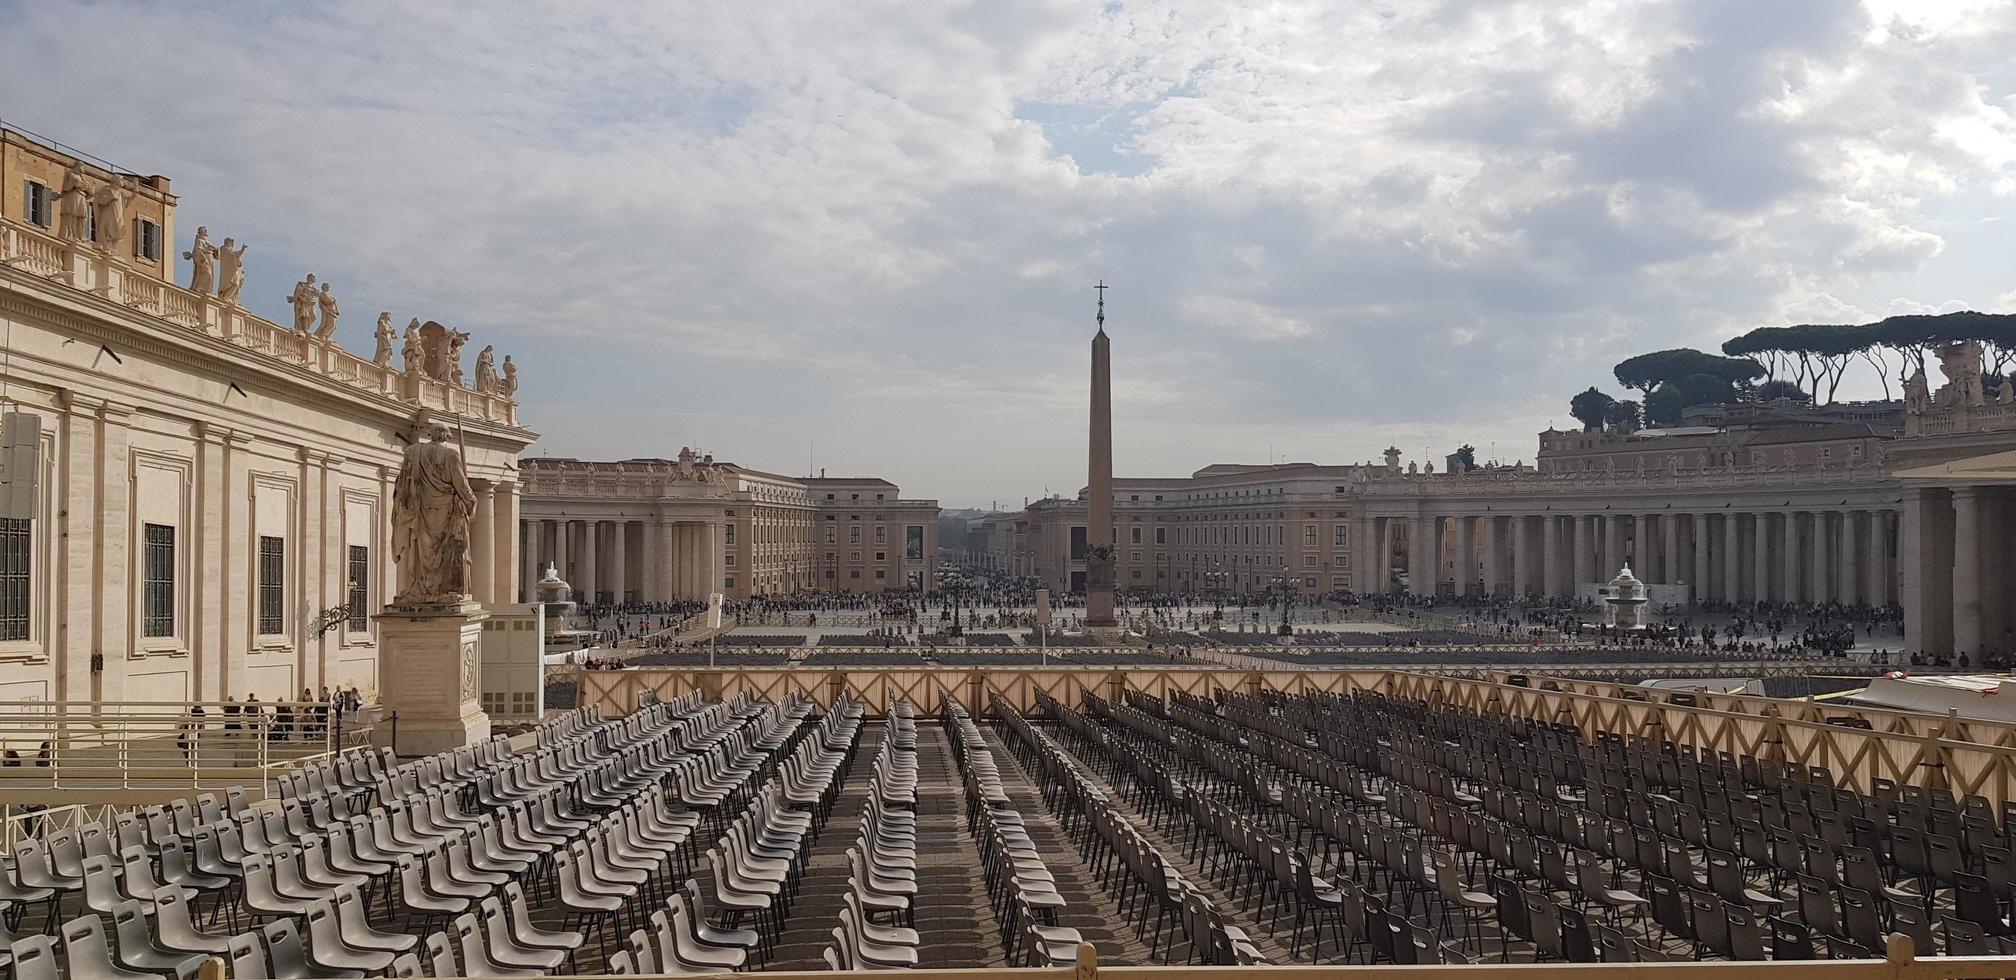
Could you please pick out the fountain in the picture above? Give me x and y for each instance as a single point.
(1625, 606)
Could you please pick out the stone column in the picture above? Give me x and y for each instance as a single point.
(504, 532)
(1494, 556)
(1466, 554)
(1970, 523)
(710, 559)
(1792, 558)
(483, 543)
(660, 557)
(1421, 556)
(1383, 566)
(1584, 569)
(1522, 555)
(1702, 561)
(1669, 552)
(528, 560)
(619, 561)
(1850, 585)
(1760, 544)
(1613, 547)
(591, 560)
(1926, 558)
(1550, 553)
(1819, 574)
(1732, 557)
(563, 550)
(1878, 590)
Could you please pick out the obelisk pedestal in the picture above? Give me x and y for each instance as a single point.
(1099, 574)
(428, 662)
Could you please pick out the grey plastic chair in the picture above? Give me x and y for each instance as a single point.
(248, 957)
(440, 956)
(34, 958)
(476, 958)
(85, 955)
(356, 926)
(137, 950)
(290, 961)
(328, 951)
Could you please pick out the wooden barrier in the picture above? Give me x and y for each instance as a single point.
(1903, 750)
(1899, 963)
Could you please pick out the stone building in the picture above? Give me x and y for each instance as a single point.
(196, 500)
(659, 530)
(1811, 508)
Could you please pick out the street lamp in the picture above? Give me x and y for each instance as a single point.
(953, 583)
(1287, 600)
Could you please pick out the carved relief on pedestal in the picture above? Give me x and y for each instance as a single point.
(469, 671)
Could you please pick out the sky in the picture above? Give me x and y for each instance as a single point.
(862, 237)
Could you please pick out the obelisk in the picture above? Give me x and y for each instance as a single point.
(1099, 483)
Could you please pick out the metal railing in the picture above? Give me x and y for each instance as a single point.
(129, 751)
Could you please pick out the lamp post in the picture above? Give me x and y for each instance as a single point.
(952, 583)
(1287, 600)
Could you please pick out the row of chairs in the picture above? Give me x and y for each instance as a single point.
(1126, 863)
(882, 861)
(759, 861)
(1020, 886)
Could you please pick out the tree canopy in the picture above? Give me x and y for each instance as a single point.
(1648, 371)
(1591, 408)
(1815, 356)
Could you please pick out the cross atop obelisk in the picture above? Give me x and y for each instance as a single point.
(1099, 551)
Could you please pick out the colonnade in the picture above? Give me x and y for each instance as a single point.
(493, 545)
(1841, 554)
(625, 560)
(1957, 584)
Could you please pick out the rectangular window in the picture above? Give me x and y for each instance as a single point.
(881, 556)
(829, 532)
(728, 534)
(14, 563)
(880, 574)
(1340, 535)
(358, 591)
(272, 585)
(854, 534)
(1308, 535)
(1340, 561)
(157, 583)
(147, 239)
(1308, 561)
(728, 561)
(38, 203)
(1160, 536)
(854, 558)
(881, 534)
(1133, 535)
(728, 583)
(913, 542)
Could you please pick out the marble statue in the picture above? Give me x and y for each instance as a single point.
(2005, 392)
(327, 301)
(73, 206)
(383, 356)
(303, 299)
(456, 339)
(431, 507)
(110, 202)
(1916, 395)
(509, 386)
(685, 465)
(486, 370)
(415, 351)
(202, 258)
(1961, 364)
(230, 270)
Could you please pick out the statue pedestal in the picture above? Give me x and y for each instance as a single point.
(428, 663)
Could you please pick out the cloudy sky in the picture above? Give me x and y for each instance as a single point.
(863, 235)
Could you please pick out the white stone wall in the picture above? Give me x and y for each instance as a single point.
(144, 421)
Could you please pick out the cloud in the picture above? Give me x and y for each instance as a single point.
(871, 230)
